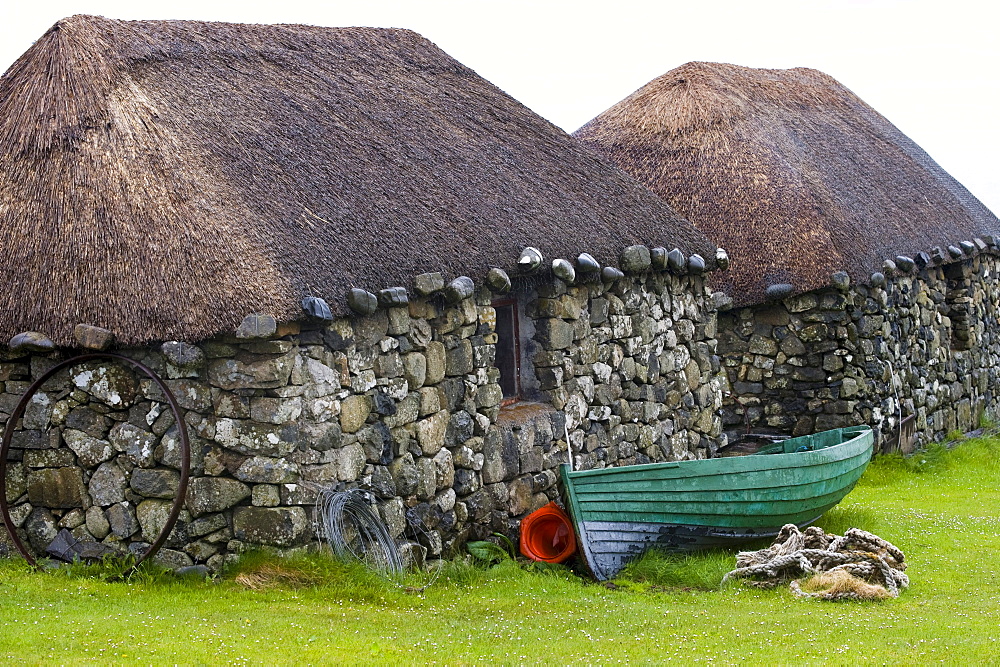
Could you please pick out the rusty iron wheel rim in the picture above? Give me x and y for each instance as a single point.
(19, 412)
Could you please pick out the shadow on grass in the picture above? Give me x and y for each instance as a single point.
(701, 570)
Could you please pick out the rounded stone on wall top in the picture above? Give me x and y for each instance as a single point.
(458, 289)
(968, 247)
(877, 280)
(362, 301)
(585, 263)
(722, 258)
(696, 263)
(498, 280)
(257, 325)
(676, 260)
(31, 341)
(393, 296)
(563, 270)
(635, 259)
(93, 337)
(658, 258)
(778, 291)
(530, 260)
(610, 274)
(428, 283)
(904, 263)
(318, 308)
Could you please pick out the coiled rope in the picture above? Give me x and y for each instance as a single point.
(858, 565)
(355, 532)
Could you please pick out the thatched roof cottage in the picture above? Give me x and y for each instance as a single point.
(869, 271)
(352, 260)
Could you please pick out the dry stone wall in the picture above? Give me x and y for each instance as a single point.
(924, 342)
(404, 403)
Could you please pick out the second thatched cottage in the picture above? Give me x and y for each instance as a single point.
(864, 284)
(354, 262)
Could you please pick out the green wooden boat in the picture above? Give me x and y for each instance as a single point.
(621, 512)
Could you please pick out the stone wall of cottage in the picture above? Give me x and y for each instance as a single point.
(404, 403)
(926, 342)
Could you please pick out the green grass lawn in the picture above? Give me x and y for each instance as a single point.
(941, 508)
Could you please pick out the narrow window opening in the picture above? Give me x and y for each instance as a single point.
(508, 349)
(958, 300)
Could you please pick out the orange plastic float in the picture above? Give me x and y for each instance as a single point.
(547, 535)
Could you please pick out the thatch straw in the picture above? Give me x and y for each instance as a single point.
(165, 179)
(275, 575)
(788, 170)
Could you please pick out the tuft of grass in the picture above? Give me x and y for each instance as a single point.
(954, 436)
(840, 519)
(461, 573)
(701, 571)
(112, 568)
(888, 469)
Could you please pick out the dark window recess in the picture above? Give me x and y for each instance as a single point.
(508, 349)
(958, 300)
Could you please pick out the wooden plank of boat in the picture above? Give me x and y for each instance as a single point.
(621, 512)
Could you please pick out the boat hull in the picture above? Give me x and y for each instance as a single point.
(619, 513)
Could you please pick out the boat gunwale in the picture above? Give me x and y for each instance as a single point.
(645, 485)
(634, 502)
(851, 448)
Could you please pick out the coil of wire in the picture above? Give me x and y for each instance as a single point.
(354, 531)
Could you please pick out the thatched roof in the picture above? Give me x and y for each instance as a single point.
(788, 170)
(165, 179)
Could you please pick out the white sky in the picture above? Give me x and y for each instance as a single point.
(932, 68)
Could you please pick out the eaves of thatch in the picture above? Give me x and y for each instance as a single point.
(165, 179)
(789, 171)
